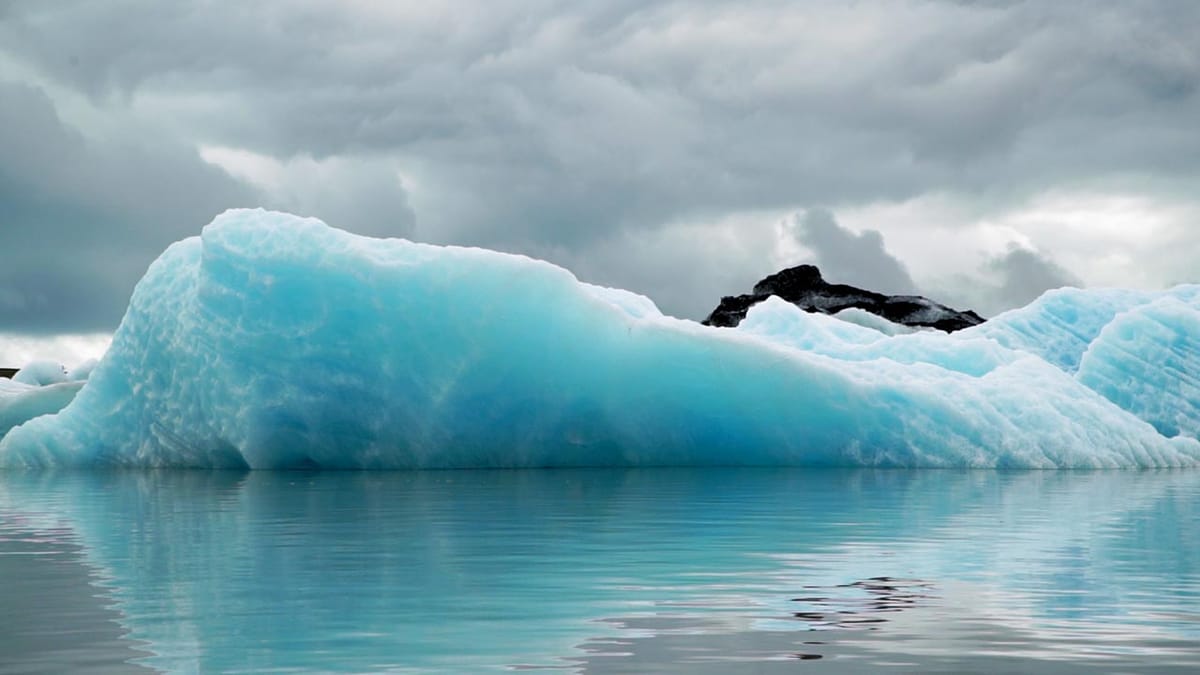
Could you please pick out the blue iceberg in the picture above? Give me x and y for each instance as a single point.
(272, 341)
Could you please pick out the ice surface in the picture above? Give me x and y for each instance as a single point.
(1147, 361)
(274, 341)
(1063, 323)
(866, 319)
(84, 370)
(39, 388)
(20, 402)
(41, 372)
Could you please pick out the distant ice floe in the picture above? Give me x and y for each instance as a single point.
(39, 388)
(272, 341)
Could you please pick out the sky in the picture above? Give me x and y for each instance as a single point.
(975, 152)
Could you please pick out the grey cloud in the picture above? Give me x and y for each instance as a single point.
(1006, 281)
(362, 195)
(685, 269)
(579, 127)
(82, 219)
(1022, 275)
(849, 258)
(562, 122)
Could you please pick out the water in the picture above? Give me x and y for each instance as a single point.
(601, 571)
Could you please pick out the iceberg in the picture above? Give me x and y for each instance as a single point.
(273, 341)
(41, 373)
(38, 388)
(21, 402)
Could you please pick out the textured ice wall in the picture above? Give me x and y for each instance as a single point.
(274, 341)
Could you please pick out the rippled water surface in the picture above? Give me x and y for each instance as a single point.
(598, 571)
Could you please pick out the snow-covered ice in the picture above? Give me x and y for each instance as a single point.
(41, 372)
(274, 341)
(20, 402)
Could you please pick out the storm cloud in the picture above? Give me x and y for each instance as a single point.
(857, 259)
(82, 219)
(1023, 275)
(630, 141)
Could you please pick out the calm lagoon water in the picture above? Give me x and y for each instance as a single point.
(601, 571)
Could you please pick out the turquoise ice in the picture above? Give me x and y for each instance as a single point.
(273, 341)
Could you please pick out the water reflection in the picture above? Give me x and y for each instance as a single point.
(638, 570)
(862, 607)
(59, 618)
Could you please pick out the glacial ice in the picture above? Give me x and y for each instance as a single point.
(41, 372)
(39, 388)
(272, 341)
(20, 402)
(862, 317)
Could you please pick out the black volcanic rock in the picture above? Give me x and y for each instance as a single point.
(803, 286)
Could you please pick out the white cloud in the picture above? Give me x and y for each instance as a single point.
(1104, 238)
(68, 349)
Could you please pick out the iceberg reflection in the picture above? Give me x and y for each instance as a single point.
(490, 569)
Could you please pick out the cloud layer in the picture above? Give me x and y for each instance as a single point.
(593, 134)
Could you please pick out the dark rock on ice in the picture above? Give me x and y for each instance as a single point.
(804, 287)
